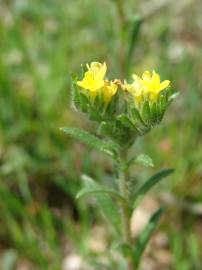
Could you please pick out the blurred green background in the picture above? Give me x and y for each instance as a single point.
(41, 43)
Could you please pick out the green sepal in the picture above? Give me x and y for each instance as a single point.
(146, 114)
(137, 119)
(123, 134)
(75, 92)
(126, 122)
(153, 113)
(138, 122)
(159, 113)
(118, 132)
(84, 102)
(111, 108)
(105, 129)
(163, 103)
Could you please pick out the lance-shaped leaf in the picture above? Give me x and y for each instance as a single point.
(104, 200)
(141, 159)
(124, 248)
(144, 160)
(152, 181)
(91, 140)
(145, 235)
(92, 187)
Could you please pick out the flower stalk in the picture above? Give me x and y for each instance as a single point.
(125, 209)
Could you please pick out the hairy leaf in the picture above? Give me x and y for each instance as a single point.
(123, 247)
(152, 181)
(91, 140)
(145, 160)
(92, 187)
(141, 159)
(104, 201)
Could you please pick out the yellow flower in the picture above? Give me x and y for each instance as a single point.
(153, 84)
(93, 78)
(109, 90)
(137, 89)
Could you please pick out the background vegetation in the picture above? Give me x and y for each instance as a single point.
(41, 42)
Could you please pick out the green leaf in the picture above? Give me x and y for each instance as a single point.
(123, 247)
(141, 159)
(152, 181)
(144, 160)
(145, 235)
(104, 201)
(91, 140)
(92, 187)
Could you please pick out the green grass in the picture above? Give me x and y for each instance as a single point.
(42, 42)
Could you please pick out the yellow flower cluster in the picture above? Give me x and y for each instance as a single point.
(95, 83)
(148, 86)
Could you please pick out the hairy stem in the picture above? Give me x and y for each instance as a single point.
(125, 213)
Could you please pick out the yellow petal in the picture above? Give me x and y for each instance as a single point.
(146, 76)
(155, 78)
(95, 65)
(135, 77)
(81, 84)
(109, 90)
(101, 72)
(164, 84)
(94, 77)
(153, 96)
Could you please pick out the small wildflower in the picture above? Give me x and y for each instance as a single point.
(149, 86)
(93, 79)
(153, 84)
(109, 90)
(136, 89)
